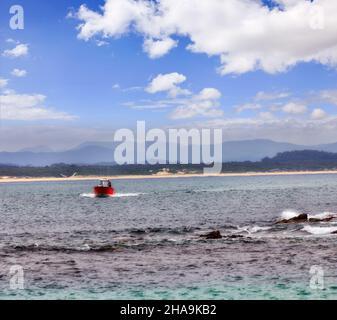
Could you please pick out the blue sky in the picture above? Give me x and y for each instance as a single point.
(96, 84)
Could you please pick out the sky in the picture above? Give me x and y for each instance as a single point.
(80, 69)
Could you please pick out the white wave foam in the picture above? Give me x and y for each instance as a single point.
(319, 230)
(289, 214)
(253, 229)
(257, 229)
(85, 247)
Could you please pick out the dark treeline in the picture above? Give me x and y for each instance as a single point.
(286, 161)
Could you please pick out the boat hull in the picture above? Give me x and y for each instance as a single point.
(104, 192)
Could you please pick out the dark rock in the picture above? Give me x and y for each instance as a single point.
(235, 236)
(320, 220)
(212, 235)
(298, 219)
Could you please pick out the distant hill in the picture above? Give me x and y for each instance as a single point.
(85, 155)
(255, 150)
(303, 157)
(37, 149)
(103, 152)
(286, 161)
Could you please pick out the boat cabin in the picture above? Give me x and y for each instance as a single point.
(105, 183)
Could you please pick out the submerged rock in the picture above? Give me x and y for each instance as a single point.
(298, 219)
(305, 218)
(235, 236)
(212, 235)
(327, 219)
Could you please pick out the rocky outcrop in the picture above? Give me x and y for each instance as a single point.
(301, 218)
(327, 219)
(298, 219)
(212, 235)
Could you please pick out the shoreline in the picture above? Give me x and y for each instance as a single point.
(162, 176)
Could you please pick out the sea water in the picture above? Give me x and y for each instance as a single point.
(145, 243)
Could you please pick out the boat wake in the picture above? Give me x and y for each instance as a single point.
(117, 195)
(122, 195)
(87, 195)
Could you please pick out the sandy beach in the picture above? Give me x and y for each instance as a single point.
(161, 176)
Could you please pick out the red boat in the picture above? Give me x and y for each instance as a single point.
(104, 189)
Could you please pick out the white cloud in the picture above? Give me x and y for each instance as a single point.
(329, 96)
(318, 114)
(193, 108)
(58, 136)
(101, 43)
(28, 107)
(134, 88)
(266, 115)
(245, 34)
(10, 40)
(248, 106)
(19, 73)
(209, 94)
(116, 86)
(3, 83)
(205, 104)
(268, 96)
(158, 48)
(19, 51)
(294, 108)
(299, 131)
(168, 83)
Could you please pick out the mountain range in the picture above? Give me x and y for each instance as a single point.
(103, 152)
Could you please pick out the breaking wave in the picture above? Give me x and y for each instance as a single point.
(253, 229)
(319, 231)
(289, 214)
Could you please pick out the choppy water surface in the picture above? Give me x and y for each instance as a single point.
(145, 243)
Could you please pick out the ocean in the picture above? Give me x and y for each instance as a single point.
(145, 243)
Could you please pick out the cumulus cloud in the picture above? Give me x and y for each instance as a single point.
(18, 51)
(158, 48)
(28, 107)
(168, 83)
(185, 104)
(318, 114)
(19, 73)
(248, 106)
(294, 108)
(3, 83)
(205, 103)
(246, 35)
